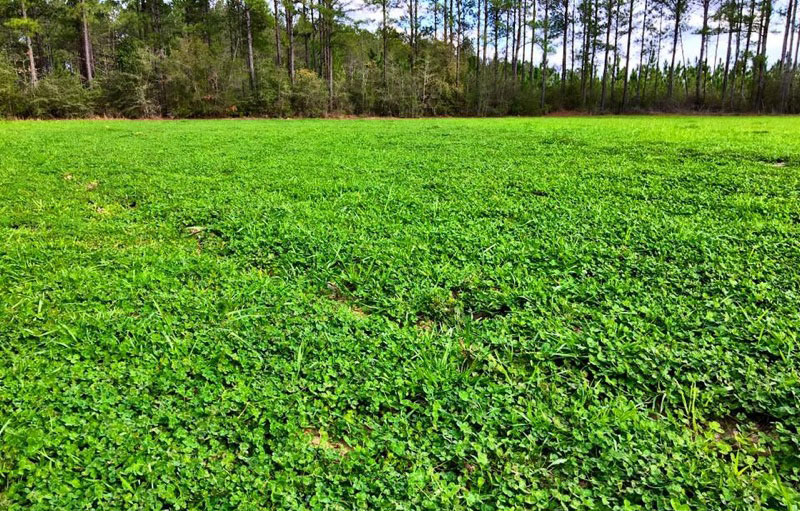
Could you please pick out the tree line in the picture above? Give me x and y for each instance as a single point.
(206, 58)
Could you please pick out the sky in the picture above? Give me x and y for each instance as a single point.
(370, 16)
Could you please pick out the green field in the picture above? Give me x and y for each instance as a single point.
(556, 313)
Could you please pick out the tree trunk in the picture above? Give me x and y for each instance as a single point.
(739, 22)
(485, 28)
(444, 21)
(639, 78)
(505, 49)
(329, 51)
(594, 44)
(786, 32)
(797, 47)
(572, 46)
(545, 40)
(478, 64)
(615, 66)
(750, 20)
(727, 55)
(628, 58)
(700, 60)
(250, 60)
(458, 40)
(763, 56)
(658, 52)
(288, 8)
(411, 32)
(585, 21)
(277, 35)
(675, 35)
(306, 36)
(29, 45)
(518, 38)
(451, 22)
(416, 29)
(86, 46)
(478, 39)
(605, 57)
(564, 53)
(415, 46)
(435, 20)
(383, 38)
(533, 42)
(524, 22)
(786, 56)
(496, 35)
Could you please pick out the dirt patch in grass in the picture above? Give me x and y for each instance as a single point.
(321, 441)
(336, 294)
(745, 431)
(425, 323)
(501, 311)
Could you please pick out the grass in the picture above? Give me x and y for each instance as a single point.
(569, 313)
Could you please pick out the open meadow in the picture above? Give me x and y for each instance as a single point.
(436, 314)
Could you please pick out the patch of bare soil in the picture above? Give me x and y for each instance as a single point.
(317, 439)
(335, 293)
(741, 434)
(425, 323)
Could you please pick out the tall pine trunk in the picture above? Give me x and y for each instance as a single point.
(628, 57)
(277, 35)
(485, 29)
(250, 60)
(605, 57)
(383, 39)
(701, 60)
(735, 67)
(545, 40)
(615, 67)
(750, 20)
(86, 46)
(29, 46)
(786, 56)
(289, 10)
(727, 55)
(586, 22)
(594, 44)
(641, 71)
(762, 63)
(520, 21)
(675, 35)
(533, 42)
(564, 49)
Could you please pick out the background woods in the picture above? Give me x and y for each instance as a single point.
(198, 58)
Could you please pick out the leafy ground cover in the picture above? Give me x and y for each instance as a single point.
(566, 313)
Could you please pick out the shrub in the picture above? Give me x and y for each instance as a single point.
(309, 94)
(61, 95)
(128, 95)
(9, 88)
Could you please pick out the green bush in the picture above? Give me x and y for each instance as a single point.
(127, 95)
(9, 88)
(61, 95)
(309, 94)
